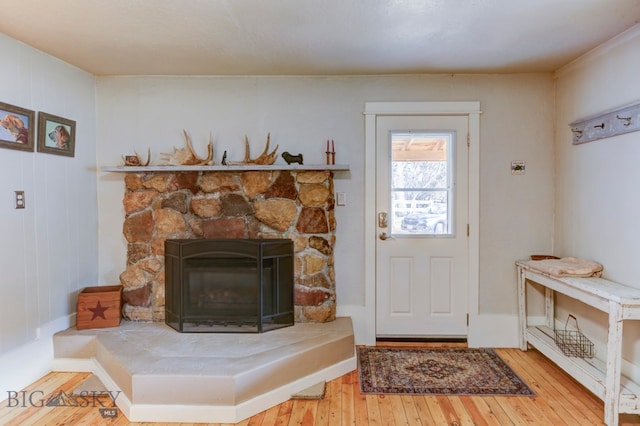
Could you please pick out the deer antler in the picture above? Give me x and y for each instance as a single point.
(265, 158)
(187, 156)
(195, 159)
(140, 158)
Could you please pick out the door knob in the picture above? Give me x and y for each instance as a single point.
(382, 220)
(383, 236)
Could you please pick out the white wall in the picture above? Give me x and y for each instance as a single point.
(48, 251)
(301, 113)
(597, 201)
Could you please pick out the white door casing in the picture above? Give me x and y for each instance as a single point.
(469, 109)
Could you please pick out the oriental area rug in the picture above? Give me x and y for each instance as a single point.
(427, 371)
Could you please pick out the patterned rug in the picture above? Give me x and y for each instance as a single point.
(421, 371)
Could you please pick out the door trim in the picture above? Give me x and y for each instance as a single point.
(371, 111)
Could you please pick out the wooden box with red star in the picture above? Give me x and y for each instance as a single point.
(99, 307)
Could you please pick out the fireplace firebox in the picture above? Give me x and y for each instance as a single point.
(228, 285)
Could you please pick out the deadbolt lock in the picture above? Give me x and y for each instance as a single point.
(382, 220)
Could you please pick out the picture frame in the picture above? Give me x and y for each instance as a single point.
(56, 135)
(17, 127)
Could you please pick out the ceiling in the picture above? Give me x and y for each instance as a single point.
(315, 37)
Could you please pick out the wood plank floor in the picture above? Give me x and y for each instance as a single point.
(559, 400)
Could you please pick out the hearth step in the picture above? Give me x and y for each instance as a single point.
(166, 376)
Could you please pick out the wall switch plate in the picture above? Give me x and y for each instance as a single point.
(19, 199)
(341, 198)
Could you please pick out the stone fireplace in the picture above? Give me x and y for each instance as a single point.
(271, 204)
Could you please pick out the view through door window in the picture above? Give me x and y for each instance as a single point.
(421, 183)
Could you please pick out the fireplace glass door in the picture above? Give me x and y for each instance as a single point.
(232, 286)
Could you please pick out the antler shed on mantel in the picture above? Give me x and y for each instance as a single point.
(266, 158)
(187, 156)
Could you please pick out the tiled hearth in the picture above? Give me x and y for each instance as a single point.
(166, 376)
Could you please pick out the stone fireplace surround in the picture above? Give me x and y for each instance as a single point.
(293, 204)
(217, 377)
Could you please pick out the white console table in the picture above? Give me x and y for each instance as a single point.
(620, 302)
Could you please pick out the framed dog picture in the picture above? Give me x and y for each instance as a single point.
(56, 135)
(17, 127)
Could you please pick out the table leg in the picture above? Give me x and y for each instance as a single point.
(522, 307)
(612, 379)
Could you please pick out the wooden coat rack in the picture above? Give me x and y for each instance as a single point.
(607, 124)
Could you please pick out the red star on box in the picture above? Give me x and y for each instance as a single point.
(98, 311)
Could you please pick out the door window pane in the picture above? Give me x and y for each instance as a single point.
(421, 183)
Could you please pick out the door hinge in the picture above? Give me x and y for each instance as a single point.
(468, 139)
(467, 320)
(467, 229)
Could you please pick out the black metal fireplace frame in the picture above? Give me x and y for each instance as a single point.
(266, 256)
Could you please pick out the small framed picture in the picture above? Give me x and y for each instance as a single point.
(518, 167)
(56, 135)
(17, 127)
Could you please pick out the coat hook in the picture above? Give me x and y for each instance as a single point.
(577, 133)
(627, 120)
(599, 126)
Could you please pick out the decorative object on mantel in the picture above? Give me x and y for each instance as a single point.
(266, 158)
(290, 158)
(331, 155)
(136, 160)
(187, 156)
(610, 123)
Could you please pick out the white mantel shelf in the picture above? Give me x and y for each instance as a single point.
(243, 168)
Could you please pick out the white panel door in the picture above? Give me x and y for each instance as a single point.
(422, 211)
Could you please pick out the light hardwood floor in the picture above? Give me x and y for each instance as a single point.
(559, 400)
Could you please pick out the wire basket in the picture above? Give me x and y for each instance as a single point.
(573, 343)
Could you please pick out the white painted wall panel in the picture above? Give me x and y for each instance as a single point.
(597, 182)
(48, 251)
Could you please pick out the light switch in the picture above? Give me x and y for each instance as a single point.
(341, 198)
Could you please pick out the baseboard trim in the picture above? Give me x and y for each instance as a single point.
(423, 339)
